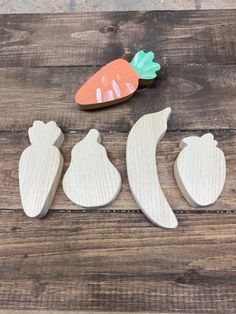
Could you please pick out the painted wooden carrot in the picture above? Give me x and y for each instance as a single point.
(116, 81)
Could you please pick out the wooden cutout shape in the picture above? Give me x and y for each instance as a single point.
(40, 168)
(200, 170)
(91, 179)
(117, 81)
(141, 167)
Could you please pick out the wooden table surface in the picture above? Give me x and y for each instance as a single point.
(113, 259)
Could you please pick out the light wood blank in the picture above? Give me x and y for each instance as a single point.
(40, 168)
(91, 179)
(200, 170)
(141, 167)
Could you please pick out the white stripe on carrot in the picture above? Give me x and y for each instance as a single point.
(116, 88)
(110, 95)
(130, 87)
(99, 95)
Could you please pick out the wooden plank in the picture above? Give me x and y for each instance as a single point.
(177, 37)
(201, 97)
(68, 312)
(117, 262)
(167, 151)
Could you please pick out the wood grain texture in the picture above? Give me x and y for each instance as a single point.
(91, 179)
(117, 262)
(113, 260)
(40, 168)
(200, 170)
(64, 312)
(68, 312)
(97, 38)
(13, 144)
(48, 94)
(141, 166)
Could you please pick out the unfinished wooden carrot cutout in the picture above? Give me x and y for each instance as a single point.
(200, 170)
(141, 167)
(117, 81)
(91, 179)
(40, 168)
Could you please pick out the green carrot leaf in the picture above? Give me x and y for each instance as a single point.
(144, 65)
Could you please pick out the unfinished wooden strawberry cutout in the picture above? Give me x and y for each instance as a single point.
(200, 170)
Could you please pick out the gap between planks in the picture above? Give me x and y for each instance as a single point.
(201, 211)
(67, 131)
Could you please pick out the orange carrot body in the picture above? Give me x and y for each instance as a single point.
(114, 81)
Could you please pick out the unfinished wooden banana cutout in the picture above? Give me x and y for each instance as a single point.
(141, 167)
(117, 81)
(40, 168)
(200, 170)
(91, 179)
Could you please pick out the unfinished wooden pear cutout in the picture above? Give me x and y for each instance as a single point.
(91, 179)
(141, 167)
(117, 81)
(200, 170)
(40, 168)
